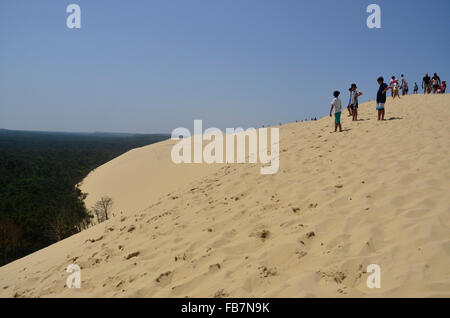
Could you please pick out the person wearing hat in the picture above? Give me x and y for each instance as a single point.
(349, 107)
(354, 94)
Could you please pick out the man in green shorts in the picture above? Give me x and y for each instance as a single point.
(336, 104)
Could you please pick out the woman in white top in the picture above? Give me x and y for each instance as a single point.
(435, 83)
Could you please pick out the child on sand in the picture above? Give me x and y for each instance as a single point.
(381, 97)
(394, 87)
(443, 87)
(349, 107)
(416, 88)
(354, 101)
(337, 106)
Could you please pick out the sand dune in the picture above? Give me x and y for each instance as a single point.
(378, 193)
(137, 178)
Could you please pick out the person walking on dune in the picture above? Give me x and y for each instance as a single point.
(426, 84)
(416, 88)
(435, 83)
(354, 95)
(394, 87)
(336, 104)
(404, 86)
(443, 87)
(349, 106)
(381, 97)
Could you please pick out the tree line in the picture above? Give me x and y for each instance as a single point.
(40, 203)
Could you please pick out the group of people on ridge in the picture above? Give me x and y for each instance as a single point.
(352, 107)
(394, 85)
(433, 84)
(429, 84)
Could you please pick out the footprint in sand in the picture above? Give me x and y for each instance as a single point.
(164, 279)
(306, 238)
(94, 240)
(221, 294)
(214, 268)
(266, 272)
(337, 276)
(183, 257)
(131, 255)
(262, 234)
(301, 254)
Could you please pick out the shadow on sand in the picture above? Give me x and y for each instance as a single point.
(343, 130)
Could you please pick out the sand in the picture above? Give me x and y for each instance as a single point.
(378, 193)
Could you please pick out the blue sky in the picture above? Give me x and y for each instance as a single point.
(152, 66)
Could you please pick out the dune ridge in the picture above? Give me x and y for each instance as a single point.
(376, 193)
